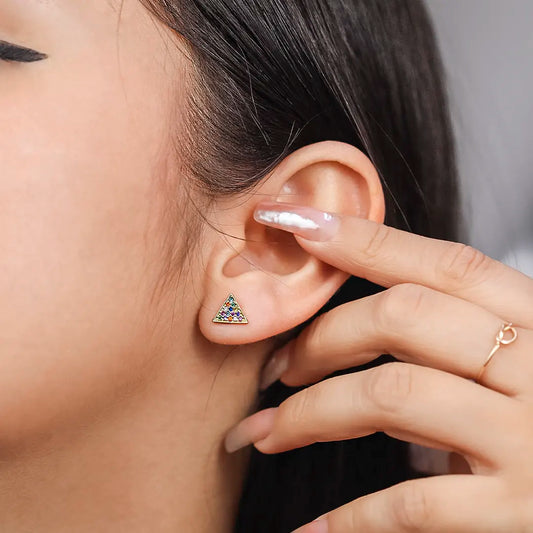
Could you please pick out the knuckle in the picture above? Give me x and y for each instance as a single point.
(410, 507)
(400, 306)
(297, 408)
(461, 262)
(523, 514)
(516, 506)
(389, 386)
(522, 518)
(520, 430)
(312, 343)
(377, 242)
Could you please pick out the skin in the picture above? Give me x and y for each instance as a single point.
(112, 413)
(437, 316)
(118, 389)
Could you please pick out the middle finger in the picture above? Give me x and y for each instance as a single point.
(415, 324)
(413, 403)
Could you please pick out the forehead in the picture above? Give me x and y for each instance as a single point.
(86, 25)
(33, 8)
(38, 19)
(15, 13)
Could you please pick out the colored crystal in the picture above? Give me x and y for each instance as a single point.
(230, 312)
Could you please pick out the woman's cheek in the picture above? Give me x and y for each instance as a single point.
(76, 216)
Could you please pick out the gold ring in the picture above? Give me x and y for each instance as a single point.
(506, 326)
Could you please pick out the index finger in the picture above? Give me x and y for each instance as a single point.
(388, 256)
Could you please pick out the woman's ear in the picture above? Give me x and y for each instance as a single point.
(275, 283)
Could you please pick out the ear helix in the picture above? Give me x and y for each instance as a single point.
(230, 312)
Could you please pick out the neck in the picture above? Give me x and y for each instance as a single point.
(154, 461)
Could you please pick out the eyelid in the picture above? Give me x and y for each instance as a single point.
(15, 52)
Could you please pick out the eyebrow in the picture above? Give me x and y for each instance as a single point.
(14, 52)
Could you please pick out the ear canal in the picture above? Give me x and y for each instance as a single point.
(230, 312)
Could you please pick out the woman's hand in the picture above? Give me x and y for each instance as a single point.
(443, 308)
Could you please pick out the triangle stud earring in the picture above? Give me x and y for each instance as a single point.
(230, 312)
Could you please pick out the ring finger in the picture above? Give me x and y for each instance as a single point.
(415, 324)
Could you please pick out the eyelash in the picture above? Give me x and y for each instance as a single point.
(13, 52)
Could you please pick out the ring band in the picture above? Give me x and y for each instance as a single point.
(506, 326)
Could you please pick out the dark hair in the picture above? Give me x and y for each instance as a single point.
(271, 76)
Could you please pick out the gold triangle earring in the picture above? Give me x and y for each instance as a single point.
(230, 312)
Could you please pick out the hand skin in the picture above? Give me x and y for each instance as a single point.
(114, 402)
(439, 316)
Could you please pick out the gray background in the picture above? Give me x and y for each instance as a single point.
(487, 48)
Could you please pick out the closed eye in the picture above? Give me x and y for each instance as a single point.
(13, 52)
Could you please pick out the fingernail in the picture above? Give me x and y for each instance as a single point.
(307, 222)
(320, 525)
(273, 370)
(252, 429)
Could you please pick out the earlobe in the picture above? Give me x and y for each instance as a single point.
(275, 282)
(271, 303)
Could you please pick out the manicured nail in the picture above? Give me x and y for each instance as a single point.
(316, 526)
(252, 429)
(273, 370)
(307, 222)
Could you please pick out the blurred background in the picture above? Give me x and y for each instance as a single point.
(487, 47)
